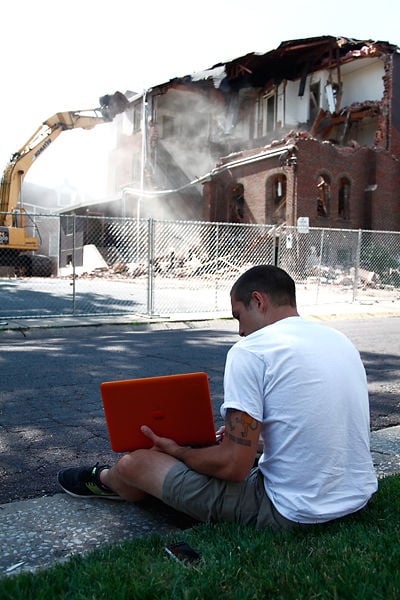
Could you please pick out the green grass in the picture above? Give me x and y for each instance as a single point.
(356, 558)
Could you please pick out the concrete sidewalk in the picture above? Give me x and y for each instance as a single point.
(43, 531)
(326, 311)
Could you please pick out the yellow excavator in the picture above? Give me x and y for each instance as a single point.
(13, 235)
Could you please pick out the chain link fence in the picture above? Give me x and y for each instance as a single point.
(154, 268)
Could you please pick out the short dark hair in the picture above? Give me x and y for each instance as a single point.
(271, 280)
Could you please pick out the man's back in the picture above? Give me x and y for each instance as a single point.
(306, 383)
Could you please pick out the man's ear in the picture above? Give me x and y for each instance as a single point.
(261, 300)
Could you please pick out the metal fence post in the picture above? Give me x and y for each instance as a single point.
(73, 264)
(357, 265)
(58, 243)
(216, 266)
(321, 248)
(150, 267)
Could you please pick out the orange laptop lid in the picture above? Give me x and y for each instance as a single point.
(173, 406)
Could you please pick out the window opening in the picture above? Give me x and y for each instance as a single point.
(279, 190)
(332, 91)
(323, 186)
(344, 199)
(236, 204)
(270, 113)
(315, 91)
(266, 122)
(69, 224)
(275, 199)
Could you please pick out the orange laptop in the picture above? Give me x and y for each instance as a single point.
(173, 406)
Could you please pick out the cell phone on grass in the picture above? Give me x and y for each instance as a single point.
(182, 552)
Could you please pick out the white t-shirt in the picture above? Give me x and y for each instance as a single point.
(306, 384)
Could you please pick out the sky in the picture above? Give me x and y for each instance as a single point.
(62, 55)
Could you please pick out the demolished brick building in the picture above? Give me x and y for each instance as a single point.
(310, 129)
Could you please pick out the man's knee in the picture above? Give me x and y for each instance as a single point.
(145, 469)
(131, 464)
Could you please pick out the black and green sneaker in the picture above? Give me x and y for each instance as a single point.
(84, 482)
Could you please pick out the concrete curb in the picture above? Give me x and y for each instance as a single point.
(339, 310)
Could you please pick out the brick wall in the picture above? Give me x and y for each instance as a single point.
(334, 163)
(373, 175)
(386, 202)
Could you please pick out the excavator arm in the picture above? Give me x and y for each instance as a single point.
(21, 161)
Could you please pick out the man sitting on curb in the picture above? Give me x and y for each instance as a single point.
(297, 385)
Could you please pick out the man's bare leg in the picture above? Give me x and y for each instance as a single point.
(137, 474)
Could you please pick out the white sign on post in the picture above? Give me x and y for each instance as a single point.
(303, 225)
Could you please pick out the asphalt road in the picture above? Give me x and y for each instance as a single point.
(50, 409)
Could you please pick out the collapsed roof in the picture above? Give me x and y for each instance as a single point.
(297, 58)
(291, 60)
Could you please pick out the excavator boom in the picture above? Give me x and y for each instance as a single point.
(21, 161)
(12, 227)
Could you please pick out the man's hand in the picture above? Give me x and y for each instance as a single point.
(161, 444)
(220, 433)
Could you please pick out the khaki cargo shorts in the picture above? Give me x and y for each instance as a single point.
(209, 499)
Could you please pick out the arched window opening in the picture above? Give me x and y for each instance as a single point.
(276, 193)
(344, 199)
(236, 203)
(324, 191)
(279, 190)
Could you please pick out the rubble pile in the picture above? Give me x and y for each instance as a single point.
(181, 267)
